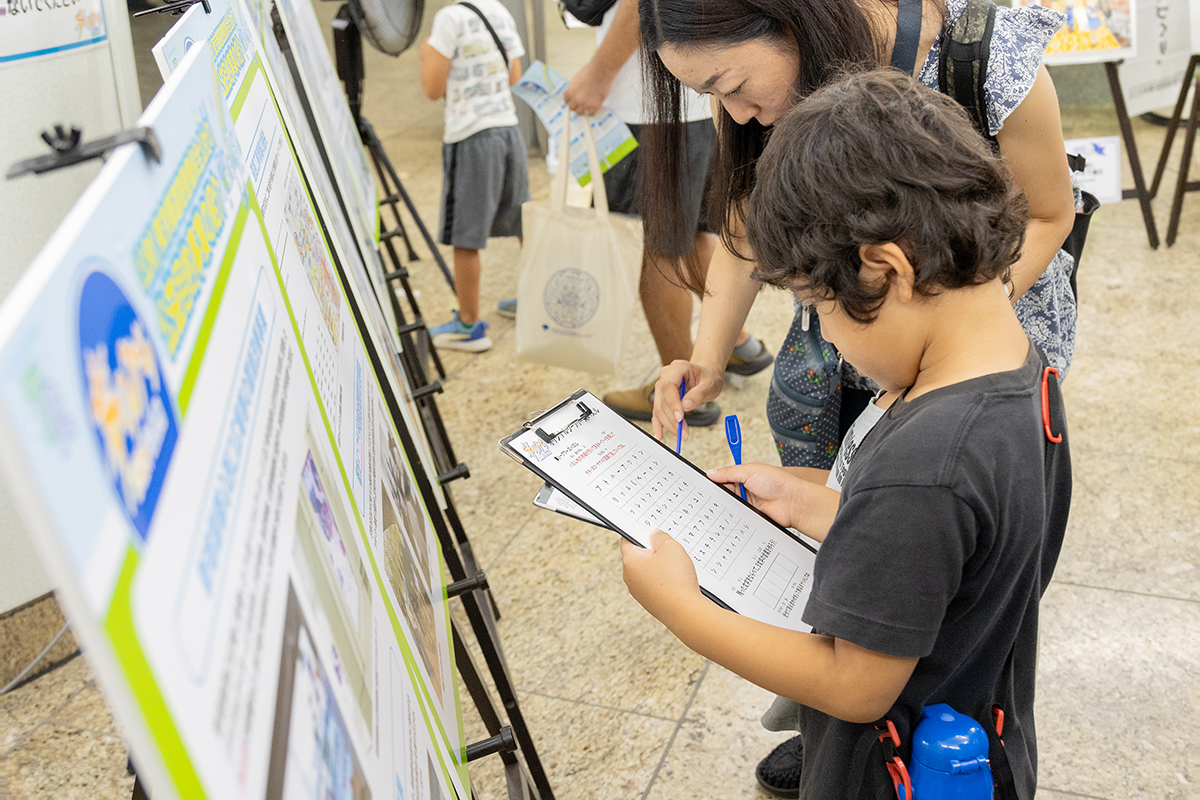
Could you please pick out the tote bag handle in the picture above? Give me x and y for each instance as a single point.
(558, 189)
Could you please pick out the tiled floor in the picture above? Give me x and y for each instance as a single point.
(619, 708)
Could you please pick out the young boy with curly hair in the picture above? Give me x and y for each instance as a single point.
(878, 203)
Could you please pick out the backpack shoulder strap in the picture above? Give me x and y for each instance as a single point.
(963, 60)
(490, 29)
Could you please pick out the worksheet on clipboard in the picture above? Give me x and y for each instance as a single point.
(635, 484)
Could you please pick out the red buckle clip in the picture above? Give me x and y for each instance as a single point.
(900, 777)
(998, 716)
(895, 765)
(890, 733)
(1055, 438)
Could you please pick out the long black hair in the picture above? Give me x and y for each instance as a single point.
(830, 37)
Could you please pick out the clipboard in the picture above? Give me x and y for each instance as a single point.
(633, 483)
(550, 498)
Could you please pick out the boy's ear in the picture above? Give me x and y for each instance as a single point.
(887, 262)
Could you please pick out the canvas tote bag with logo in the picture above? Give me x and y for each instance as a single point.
(575, 298)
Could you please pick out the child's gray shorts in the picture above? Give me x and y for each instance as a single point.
(485, 178)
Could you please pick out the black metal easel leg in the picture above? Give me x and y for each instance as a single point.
(1135, 163)
(1177, 115)
(398, 272)
(400, 230)
(368, 135)
(491, 720)
(489, 643)
(1185, 164)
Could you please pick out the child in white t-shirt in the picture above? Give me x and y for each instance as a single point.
(471, 58)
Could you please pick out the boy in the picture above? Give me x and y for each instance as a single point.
(485, 176)
(879, 203)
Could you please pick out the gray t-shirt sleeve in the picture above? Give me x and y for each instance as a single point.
(890, 566)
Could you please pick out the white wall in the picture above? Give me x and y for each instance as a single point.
(95, 89)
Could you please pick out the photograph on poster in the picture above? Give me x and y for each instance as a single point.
(407, 560)
(1094, 31)
(312, 753)
(313, 256)
(333, 577)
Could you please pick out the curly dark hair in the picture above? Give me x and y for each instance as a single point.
(872, 158)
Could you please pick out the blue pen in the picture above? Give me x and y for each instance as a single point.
(679, 432)
(733, 434)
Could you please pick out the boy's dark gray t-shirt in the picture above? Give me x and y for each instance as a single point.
(936, 553)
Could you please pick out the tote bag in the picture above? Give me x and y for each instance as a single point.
(575, 299)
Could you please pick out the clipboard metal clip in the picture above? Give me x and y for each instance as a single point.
(547, 437)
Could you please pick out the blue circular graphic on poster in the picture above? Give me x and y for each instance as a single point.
(127, 400)
(571, 297)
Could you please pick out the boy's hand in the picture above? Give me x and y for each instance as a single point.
(776, 492)
(661, 577)
(703, 384)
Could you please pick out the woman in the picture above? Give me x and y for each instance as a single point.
(757, 58)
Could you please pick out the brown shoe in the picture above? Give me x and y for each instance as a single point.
(638, 404)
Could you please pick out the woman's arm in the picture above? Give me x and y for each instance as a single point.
(1031, 143)
(730, 293)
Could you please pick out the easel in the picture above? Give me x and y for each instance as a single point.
(1135, 163)
(1182, 185)
(70, 149)
(470, 584)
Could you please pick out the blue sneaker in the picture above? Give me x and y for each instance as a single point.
(454, 335)
(507, 308)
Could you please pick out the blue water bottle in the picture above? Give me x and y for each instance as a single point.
(949, 757)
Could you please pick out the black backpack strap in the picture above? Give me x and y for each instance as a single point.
(862, 776)
(490, 29)
(1002, 777)
(908, 36)
(1058, 503)
(963, 61)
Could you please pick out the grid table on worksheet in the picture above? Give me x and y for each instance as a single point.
(666, 495)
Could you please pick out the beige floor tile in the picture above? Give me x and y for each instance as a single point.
(1134, 526)
(36, 702)
(60, 762)
(87, 710)
(1117, 693)
(10, 730)
(571, 630)
(719, 742)
(589, 752)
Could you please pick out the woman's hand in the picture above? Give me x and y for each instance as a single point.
(661, 577)
(790, 500)
(703, 384)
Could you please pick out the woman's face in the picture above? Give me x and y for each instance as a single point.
(753, 80)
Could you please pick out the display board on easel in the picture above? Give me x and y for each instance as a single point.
(1103, 31)
(221, 492)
